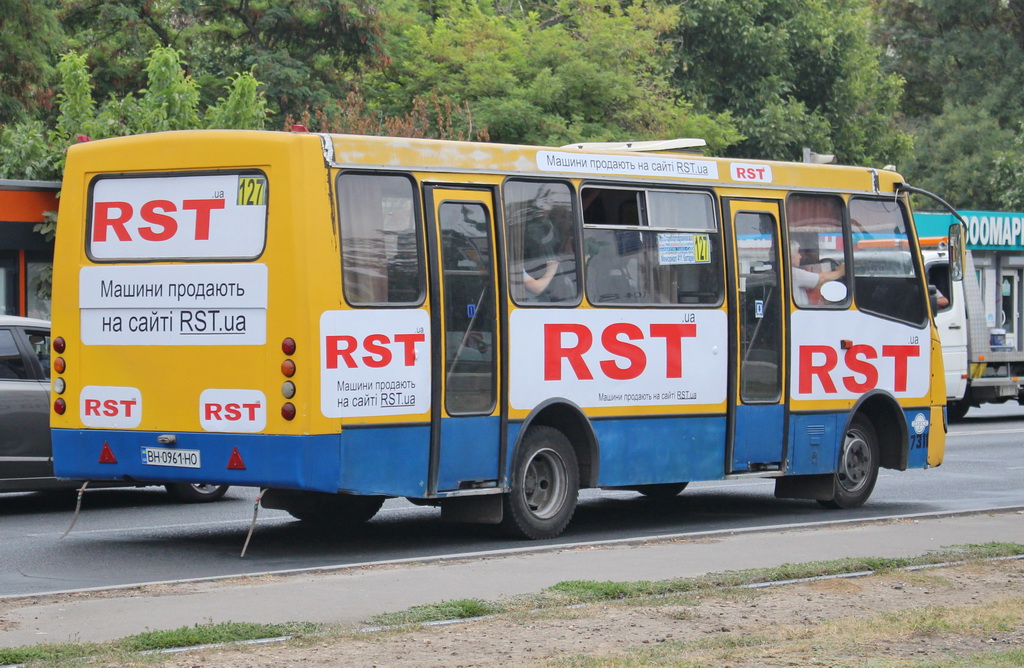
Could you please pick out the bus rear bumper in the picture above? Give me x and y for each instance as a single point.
(256, 460)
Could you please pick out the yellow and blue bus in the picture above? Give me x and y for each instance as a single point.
(488, 328)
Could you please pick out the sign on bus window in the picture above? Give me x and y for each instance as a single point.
(178, 217)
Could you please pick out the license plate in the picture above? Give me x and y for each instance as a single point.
(188, 459)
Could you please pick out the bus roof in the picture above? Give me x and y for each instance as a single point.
(669, 162)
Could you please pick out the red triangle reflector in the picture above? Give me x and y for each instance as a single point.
(235, 462)
(107, 455)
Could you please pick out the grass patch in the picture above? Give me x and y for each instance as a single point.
(186, 636)
(927, 621)
(466, 608)
(572, 592)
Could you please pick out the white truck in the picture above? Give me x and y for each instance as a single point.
(976, 371)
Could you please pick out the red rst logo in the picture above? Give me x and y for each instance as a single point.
(616, 340)
(118, 217)
(231, 412)
(819, 363)
(751, 173)
(109, 407)
(378, 349)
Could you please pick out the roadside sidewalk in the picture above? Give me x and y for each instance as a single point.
(352, 595)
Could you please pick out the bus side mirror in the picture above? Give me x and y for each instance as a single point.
(956, 252)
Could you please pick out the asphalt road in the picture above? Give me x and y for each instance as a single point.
(139, 536)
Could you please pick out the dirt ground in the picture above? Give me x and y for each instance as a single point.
(905, 618)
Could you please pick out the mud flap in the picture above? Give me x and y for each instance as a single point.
(818, 487)
(473, 509)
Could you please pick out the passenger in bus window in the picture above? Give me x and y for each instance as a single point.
(548, 273)
(540, 258)
(804, 281)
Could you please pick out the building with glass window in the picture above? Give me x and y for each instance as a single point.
(996, 242)
(26, 254)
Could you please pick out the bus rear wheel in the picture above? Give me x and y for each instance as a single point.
(184, 492)
(331, 510)
(545, 486)
(858, 466)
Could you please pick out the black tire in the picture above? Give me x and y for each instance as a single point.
(956, 410)
(185, 492)
(336, 510)
(661, 491)
(545, 486)
(858, 466)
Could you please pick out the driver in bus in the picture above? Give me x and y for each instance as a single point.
(805, 281)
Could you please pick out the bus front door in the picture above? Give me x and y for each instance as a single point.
(757, 421)
(465, 432)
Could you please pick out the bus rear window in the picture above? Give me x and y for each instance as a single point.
(206, 216)
(381, 258)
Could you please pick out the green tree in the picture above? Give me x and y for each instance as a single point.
(582, 70)
(793, 74)
(955, 156)
(963, 62)
(30, 36)
(964, 53)
(169, 101)
(303, 51)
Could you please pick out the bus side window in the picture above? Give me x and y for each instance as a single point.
(658, 247)
(886, 275)
(541, 242)
(816, 245)
(381, 259)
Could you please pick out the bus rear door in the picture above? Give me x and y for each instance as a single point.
(466, 406)
(758, 406)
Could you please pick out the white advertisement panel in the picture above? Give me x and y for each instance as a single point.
(109, 407)
(842, 355)
(374, 363)
(635, 165)
(209, 216)
(618, 357)
(242, 411)
(174, 305)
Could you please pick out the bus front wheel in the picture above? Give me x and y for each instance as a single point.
(545, 486)
(858, 466)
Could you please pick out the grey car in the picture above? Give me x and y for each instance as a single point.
(26, 461)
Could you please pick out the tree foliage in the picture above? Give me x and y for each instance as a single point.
(169, 101)
(583, 70)
(963, 62)
(30, 37)
(794, 74)
(301, 50)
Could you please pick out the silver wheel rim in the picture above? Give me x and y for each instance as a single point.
(544, 483)
(203, 488)
(855, 463)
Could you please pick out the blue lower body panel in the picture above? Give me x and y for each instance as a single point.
(386, 460)
(918, 429)
(647, 451)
